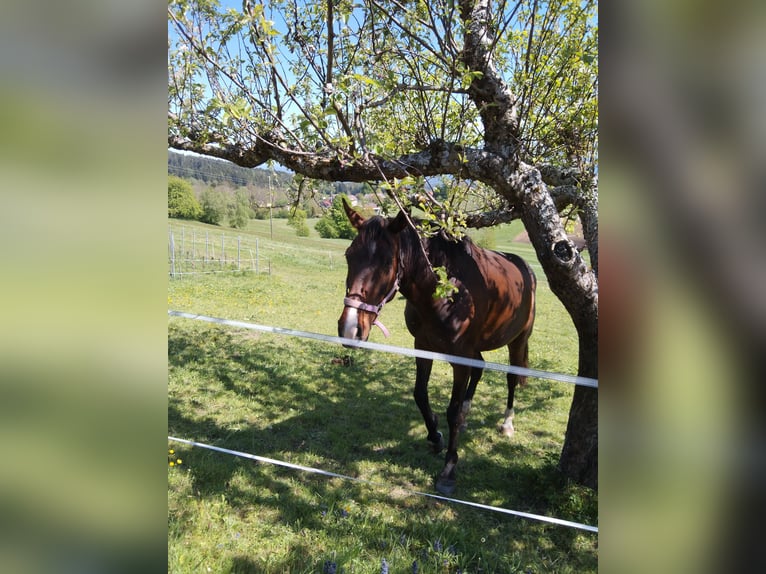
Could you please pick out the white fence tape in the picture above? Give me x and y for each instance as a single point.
(536, 373)
(309, 469)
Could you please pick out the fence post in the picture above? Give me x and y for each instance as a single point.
(257, 256)
(238, 251)
(207, 255)
(172, 256)
(223, 251)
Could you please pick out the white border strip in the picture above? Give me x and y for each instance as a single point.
(538, 517)
(561, 377)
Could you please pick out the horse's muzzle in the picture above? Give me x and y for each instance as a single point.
(349, 326)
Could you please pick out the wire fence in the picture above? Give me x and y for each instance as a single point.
(199, 253)
(193, 251)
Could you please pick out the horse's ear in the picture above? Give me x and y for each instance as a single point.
(398, 223)
(353, 216)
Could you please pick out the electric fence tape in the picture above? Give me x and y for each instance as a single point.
(513, 369)
(309, 469)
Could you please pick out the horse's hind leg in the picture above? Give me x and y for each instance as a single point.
(423, 373)
(476, 373)
(518, 354)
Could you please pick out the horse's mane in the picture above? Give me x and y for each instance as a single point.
(372, 233)
(440, 247)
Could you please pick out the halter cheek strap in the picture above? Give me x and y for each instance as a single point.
(376, 309)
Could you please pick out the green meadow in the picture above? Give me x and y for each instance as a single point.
(349, 412)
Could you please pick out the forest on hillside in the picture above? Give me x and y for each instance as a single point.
(219, 172)
(214, 172)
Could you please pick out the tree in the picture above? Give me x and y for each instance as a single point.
(334, 223)
(239, 209)
(297, 219)
(181, 200)
(326, 228)
(497, 99)
(213, 204)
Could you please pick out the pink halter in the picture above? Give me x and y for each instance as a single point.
(356, 304)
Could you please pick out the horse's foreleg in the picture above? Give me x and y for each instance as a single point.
(423, 373)
(446, 481)
(475, 377)
(518, 353)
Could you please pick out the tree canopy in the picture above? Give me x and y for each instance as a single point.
(181, 200)
(377, 90)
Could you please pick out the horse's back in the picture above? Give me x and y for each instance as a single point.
(493, 306)
(528, 275)
(505, 308)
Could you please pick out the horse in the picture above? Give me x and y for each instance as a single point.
(492, 305)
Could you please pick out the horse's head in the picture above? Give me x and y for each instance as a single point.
(373, 272)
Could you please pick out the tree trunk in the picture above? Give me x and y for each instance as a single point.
(579, 456)
(567, 274)
(577, 288)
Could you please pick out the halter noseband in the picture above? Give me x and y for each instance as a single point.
(357, 304)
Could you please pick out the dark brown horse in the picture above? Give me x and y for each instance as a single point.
(494, 305)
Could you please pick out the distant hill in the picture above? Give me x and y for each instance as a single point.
(212, 171)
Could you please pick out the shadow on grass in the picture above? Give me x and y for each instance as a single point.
(300, 401)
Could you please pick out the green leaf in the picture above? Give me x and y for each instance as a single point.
(366, 80)
(445, 289)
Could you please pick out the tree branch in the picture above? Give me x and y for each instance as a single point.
(414, 37)
(259, 41)
(330, 45)
(491, 96)
(564, 196)
(401, 87)
(554, 176)
(439, 158)
(492, 218)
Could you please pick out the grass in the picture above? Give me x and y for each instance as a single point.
(295, 400)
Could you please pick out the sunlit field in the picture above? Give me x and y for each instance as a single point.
(351, 413)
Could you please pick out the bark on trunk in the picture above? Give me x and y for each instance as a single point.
(577, 289)
(579, 457)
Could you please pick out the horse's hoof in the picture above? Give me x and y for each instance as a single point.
(438, 445)
(506, 430)
(445, 486)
